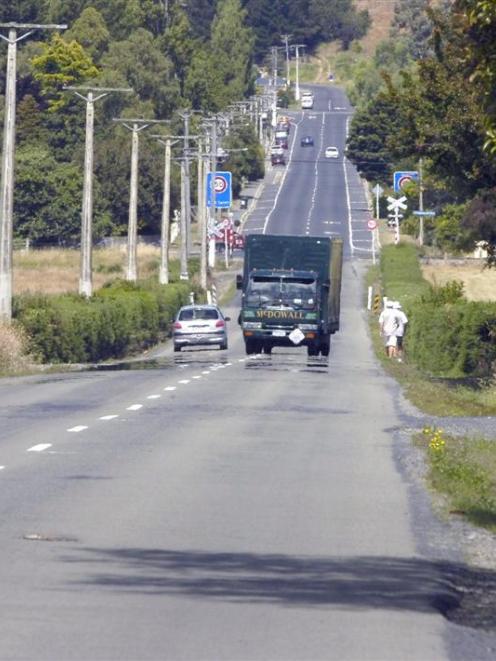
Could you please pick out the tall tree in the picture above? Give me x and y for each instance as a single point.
(231, 45)
(91, 32)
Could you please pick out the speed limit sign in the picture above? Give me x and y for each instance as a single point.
(371, 224)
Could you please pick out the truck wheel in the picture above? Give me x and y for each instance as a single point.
(312, 350)
(250, 346)
(325, 348)
(267, 348)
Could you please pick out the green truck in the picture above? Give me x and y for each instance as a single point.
(291, 287)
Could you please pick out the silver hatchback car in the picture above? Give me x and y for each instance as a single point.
(199, 325)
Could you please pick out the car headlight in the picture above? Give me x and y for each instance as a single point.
(308, 327)
(252, 325)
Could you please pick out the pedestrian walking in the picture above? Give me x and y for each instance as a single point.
(400, 331)
(388, 323)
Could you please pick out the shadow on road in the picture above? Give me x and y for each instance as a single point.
(459, 593)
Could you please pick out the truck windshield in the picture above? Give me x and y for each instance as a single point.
(290, 292)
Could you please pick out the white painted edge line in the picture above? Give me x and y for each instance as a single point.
(109, 417)
(40, 447)
(169, 388)
(134, 407)
(154, 396)
(78, 428)
(184, 381)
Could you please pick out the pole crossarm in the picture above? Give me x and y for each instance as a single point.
(34, 26)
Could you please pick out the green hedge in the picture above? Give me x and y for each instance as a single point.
(446, 334)
(120, 318)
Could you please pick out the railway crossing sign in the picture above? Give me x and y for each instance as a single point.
(403, 177)
(396, 203)
(223, 190)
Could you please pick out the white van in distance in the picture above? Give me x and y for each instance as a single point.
(307, 100)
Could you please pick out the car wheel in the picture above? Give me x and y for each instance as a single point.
(177, 347)
(223, 346)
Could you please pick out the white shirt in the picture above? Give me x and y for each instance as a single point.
(389, 321)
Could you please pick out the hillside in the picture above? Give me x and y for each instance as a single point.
(381, 12)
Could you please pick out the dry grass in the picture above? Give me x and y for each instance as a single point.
(479, 282)
(56, 271)
(381, 13)
(13, 352)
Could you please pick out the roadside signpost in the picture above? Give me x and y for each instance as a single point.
(223, 190)
(423, 214)
(378, 191)
(372, 226)
(395, 205)
(403, 177)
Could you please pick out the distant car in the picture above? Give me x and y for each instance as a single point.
(197, 325)
(332, 152)
(307, 141)
(277, 156)
(281, 142)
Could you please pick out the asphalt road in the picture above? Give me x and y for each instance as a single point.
(218, 506)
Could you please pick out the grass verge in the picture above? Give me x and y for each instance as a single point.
(399, 277)
(463, 470)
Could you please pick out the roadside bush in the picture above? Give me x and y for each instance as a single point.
(446, 334)
(120, 318)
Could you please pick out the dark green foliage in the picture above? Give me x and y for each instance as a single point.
(120, 318)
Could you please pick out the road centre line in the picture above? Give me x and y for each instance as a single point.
(108, 417)
(40, 447)
(78, 428)
(134, 407)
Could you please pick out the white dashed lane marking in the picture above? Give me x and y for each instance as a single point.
(196, 377)
(78, 428)
(184, 381)
(134, 407)
(206, 372)
(2, 468)
(40, 447)
(169, 388)
(154, 396)
(109, 417)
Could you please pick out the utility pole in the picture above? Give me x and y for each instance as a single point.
(274, 102)
(85, 277)
(202, 217)
(186, 114)
(297, 85)
(213, 169)
(421, 202)
(135, 126)
(285, 38)
(163, 274)
(8, 157)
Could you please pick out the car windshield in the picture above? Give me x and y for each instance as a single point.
(198, 313)
(294, 292)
